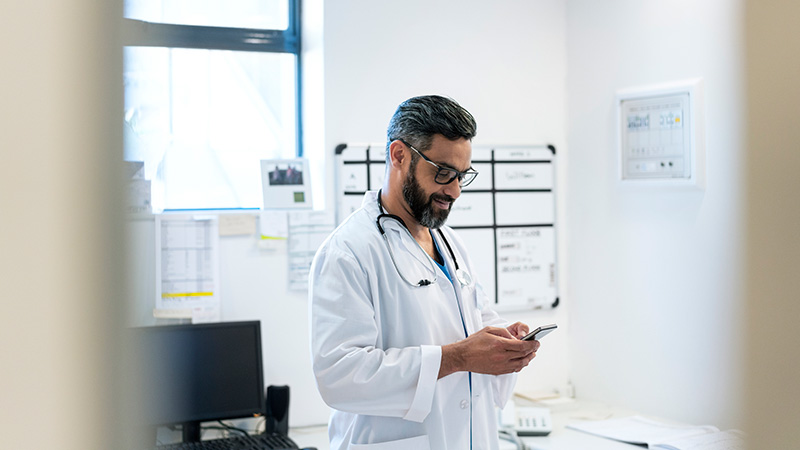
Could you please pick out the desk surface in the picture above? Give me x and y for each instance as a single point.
(564, 412)
(561, 438)
(313, 436)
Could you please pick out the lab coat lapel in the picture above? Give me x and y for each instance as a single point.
(465, 303)
(411, 247)
(407, 252)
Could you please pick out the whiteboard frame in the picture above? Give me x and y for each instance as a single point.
(512, 154)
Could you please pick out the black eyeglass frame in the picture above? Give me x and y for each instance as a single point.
(464, 178)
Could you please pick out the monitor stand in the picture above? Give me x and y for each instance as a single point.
(191, 431)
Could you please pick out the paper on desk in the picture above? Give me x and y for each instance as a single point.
(639, 430)
(723, 440)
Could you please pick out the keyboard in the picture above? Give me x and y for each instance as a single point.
(254, 442)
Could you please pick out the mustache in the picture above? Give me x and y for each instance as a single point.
(443, 198)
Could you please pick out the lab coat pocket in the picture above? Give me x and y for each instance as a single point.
(416, 443)
(472, 309)
(471, 294)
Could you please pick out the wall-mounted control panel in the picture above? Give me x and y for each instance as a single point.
(660, 135)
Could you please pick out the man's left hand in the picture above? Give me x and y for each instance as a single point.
(518, 330)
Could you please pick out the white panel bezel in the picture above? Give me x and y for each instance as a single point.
(694, 88)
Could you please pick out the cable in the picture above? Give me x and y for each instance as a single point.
(510, 434)
(232, 428)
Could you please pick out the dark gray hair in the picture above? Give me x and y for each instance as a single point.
(417, 119)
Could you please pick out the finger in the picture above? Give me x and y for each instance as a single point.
(517, 333)
(518, 355)
(513, 328)
(502, 332)
(521, 346)
(527, 358)
(523, 361)
(521, 329)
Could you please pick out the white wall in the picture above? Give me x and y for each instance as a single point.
(649, 279)
(505, 64)
(503, 61)
(655, 293)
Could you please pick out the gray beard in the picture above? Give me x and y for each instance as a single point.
(422, 209)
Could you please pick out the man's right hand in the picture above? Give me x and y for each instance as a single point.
(492, 351)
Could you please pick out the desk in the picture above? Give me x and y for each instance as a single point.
(561, 438)
(312, 436)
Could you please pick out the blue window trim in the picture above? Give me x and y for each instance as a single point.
(186, 210)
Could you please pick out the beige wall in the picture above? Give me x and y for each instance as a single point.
(60, 111)
(773, 224)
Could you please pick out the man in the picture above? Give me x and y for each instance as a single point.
(405, 349)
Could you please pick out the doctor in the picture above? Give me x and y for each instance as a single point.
(405, 349)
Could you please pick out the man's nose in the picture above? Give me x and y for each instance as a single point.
(453, 189)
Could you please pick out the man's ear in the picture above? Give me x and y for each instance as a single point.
(397, 154)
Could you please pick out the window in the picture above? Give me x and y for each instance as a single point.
(211, 88)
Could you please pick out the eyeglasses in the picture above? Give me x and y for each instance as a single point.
(445, 175)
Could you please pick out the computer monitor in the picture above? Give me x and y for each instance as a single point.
(197, 373)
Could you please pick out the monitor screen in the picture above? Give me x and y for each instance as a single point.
(196, 373)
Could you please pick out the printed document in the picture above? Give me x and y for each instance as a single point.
(187, 267)
(639, 430)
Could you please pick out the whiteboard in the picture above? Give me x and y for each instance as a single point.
(506, 217)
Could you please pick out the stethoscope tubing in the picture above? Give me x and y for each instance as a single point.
(424, 281)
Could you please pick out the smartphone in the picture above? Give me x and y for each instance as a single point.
(540, 332)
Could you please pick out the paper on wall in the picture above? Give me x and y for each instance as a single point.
(187, 265)
(308, 229)
(237, 224)
(274, 224)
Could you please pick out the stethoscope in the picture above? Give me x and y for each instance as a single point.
(463, 277)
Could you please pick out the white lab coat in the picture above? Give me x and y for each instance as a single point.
(376, 342)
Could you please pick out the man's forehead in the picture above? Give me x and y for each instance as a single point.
(455, 154)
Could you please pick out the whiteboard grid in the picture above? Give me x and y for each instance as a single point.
(529, 178)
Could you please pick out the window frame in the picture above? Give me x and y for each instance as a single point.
(139, 33)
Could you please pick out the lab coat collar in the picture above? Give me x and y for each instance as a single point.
(396, 232)
(370, 203)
